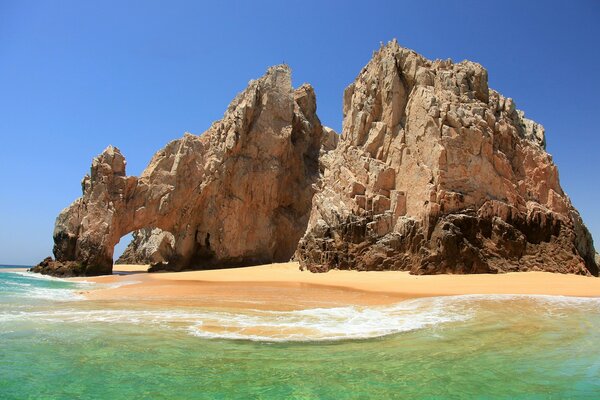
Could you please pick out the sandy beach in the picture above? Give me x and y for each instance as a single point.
(284, 286)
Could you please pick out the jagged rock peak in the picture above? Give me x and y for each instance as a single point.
(238, 194)
(381, 90)
(435, 172)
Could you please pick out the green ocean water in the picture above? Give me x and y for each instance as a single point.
(53, 345)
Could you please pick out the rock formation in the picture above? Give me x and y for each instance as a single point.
(63, 269)
(238, 194)
(433, 173)
(437, 173)
(149, 246)
(155, 246)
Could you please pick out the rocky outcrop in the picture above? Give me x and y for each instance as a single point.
(154, 246)
(330, 139)
(433, 173)
(239, 194)
(437, 173)
(149, 246)
(63, 269)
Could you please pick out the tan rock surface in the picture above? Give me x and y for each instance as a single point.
(437, 173)
(433, 173)
(239, 194)
(148, 246)
(152, 246)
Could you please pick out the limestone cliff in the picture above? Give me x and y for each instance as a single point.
(238, 194)
(437, 173)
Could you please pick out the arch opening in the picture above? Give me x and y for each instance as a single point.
(147, 246)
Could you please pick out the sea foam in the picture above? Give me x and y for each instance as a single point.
(27, 286)
(314, 324)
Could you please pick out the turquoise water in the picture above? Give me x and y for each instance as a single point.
(54, 345)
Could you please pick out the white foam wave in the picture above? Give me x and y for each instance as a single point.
(35, 275)
(42, 287)
(541, 299)
(96, 285)
(53, 294)
(340, 323)
(18, 284)
(302, 325)
(107, 315)
(316, 324)
(33, 287)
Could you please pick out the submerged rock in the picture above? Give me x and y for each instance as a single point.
(437, 173)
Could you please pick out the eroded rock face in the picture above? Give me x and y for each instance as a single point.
(433, 173)
(149, 246)
(155, 247)
(239, 194)
(437, 173)
(65, 269)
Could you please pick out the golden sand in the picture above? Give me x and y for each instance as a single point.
(284, 286)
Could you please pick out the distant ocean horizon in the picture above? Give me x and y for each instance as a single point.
(15, 266)
(54, 344)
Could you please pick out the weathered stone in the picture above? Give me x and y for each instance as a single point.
(357, 188)
(149, 246)
(398, 203)
(433, 173)
(472, 187)
(330, 139)
(239, 194)
(381, 204)
(386, 179)
(57, 268)
(361, 201)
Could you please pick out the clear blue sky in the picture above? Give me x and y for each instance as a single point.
(76, 76)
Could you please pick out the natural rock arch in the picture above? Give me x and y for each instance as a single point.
(238, 194)
(433, 173)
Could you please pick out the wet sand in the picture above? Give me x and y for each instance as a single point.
(284, 286)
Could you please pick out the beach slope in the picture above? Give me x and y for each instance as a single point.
(285, 286)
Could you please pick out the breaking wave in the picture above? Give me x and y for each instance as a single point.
(314, 324)
(27, 286)
(262, 325)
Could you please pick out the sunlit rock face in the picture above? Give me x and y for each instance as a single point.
(437, 173)
(155, 247)
(238, 194)
(433, 173)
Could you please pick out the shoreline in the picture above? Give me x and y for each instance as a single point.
(284, 287)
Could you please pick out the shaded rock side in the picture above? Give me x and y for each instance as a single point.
(436, 173)
(149, 246)
(65, 269)
(239, 194)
